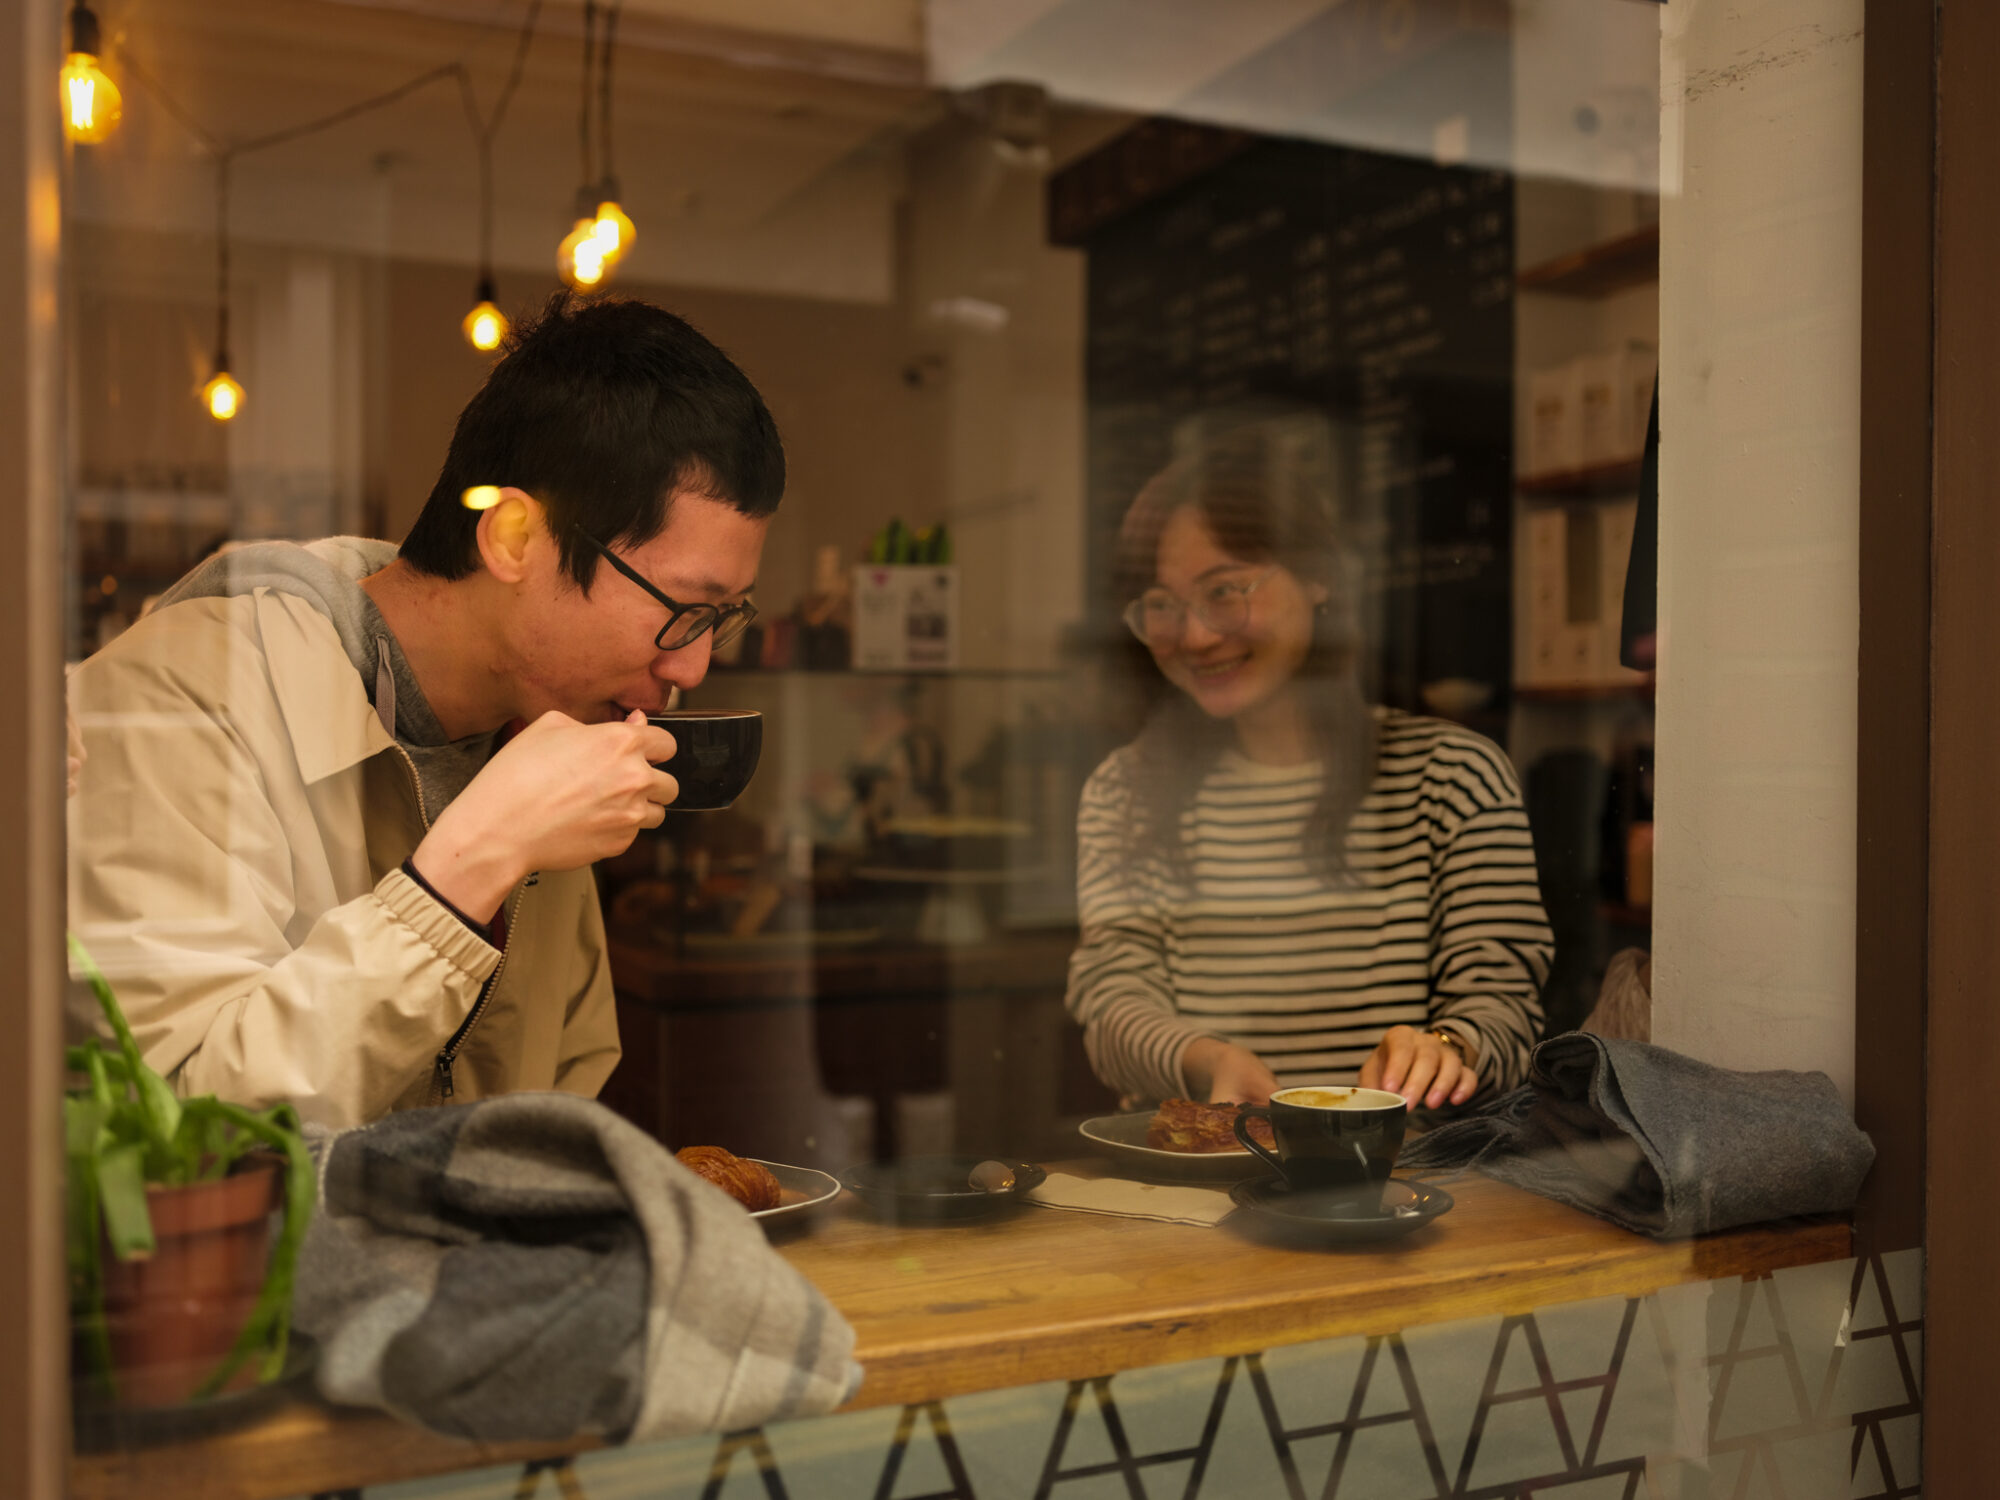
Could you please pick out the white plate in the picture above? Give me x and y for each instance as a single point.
(1123, 1139)
(812, 1187)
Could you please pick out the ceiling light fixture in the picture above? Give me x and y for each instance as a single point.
(91, 103)
(222, 396)
(486, 326)
(602, 232)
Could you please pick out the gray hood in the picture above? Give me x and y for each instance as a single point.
(326, 574)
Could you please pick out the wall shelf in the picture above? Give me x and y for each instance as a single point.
(1598, 482)
(1599, 270)
(1585, 692)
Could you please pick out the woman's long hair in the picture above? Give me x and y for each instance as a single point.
(1260, 510)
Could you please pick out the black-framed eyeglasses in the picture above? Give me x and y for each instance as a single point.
(686, 623)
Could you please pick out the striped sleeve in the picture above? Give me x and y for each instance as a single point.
(1490, 940)
(1119, 987)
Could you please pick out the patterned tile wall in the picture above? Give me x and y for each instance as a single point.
(1801, 1386)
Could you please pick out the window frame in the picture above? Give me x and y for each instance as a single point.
(1929, 810)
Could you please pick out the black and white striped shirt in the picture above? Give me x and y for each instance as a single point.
(1442, 922)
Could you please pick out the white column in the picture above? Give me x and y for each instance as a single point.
(1760, 324)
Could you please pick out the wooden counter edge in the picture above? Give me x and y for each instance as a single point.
(307, 1448)
(921, 1369)
(304, 1448)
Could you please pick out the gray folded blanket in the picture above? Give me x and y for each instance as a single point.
(532, 1266)
(1658, 1142)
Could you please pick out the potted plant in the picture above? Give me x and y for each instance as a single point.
(176, 1292)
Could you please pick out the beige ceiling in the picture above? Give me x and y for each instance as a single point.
(892, 25)
(760, 145)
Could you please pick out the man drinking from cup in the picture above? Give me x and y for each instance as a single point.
(333, 834)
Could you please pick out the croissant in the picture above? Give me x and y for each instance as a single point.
(1183, 1125)
(750, 1183)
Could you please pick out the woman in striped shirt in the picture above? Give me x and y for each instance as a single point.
(1277, 884)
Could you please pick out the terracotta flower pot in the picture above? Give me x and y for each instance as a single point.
(172, 1316)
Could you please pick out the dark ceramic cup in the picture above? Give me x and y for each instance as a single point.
(715, 754)
(1340, 1139)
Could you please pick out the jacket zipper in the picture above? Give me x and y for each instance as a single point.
(447, 1057)
(442, 1086)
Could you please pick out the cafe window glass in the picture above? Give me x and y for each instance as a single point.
(1318, 553)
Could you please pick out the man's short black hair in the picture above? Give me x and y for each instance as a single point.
(603, 411)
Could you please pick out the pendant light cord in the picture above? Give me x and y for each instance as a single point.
(224, 153)
(610, 174)
(485, 128)
(583, 103)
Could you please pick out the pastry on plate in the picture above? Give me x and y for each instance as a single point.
(750, 1183)
(1183, 1125)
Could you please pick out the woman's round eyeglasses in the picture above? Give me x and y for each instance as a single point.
(686, 623)
(1159, 617)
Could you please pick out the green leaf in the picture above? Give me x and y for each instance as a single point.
(127, 1129)
(100, 1076)
(161, 1109)
(270, 1323)
(83, 1122)
(121, 1181)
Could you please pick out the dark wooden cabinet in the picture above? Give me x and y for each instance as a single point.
(814, 1058)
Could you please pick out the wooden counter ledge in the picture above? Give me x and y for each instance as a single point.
(1046, 1294)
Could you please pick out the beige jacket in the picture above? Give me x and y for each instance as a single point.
(236, 845)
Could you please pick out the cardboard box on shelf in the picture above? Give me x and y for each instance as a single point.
(905, 618)
(1576, 559)
(1590, 412)
(1639, 367)
(1617, 521)
(1603, 406)
(1555, 421)
(1545, 615)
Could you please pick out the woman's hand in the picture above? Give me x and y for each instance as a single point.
(1223, 1073)
(1421, 1068)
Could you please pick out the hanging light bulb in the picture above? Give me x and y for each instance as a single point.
(485, 326)
(91, 103)
(613, 228)
(222, 395)
(480, 497)
(580, 258)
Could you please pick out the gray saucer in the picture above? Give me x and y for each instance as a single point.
(1332, 1216)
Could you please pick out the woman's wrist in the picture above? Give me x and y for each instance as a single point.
(1197, 1064)
(1455, 1042)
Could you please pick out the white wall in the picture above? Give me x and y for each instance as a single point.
(1010, 395)
(1759, 496)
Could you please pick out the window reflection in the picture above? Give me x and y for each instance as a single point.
(1280, 884)
(1204, 648)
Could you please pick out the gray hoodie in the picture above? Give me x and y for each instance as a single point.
(327, 575)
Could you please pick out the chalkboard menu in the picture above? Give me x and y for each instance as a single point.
(1359, 301)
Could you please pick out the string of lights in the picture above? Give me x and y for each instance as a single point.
(92, 107)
